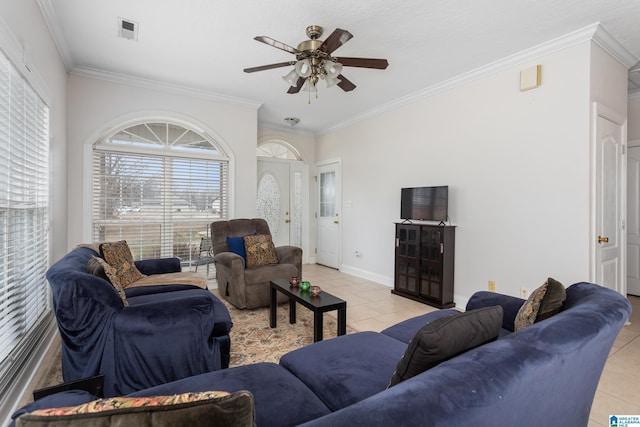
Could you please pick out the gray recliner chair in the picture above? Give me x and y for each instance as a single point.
(249, 287)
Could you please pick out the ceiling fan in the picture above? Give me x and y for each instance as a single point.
(314, 61)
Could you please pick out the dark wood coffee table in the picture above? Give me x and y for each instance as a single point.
(318, 304)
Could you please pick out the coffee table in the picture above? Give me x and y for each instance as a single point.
(318, 304)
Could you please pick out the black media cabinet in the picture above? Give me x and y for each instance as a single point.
(424, 260)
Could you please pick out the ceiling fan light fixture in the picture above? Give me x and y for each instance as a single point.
(303, 68)
(291, 77)
(333, 69)
(314, 61)
(331, 81)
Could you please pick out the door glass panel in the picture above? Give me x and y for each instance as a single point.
(269, 202)
(296, 210)
(328, 194)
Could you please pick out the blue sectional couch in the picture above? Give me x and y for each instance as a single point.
(543, 375)
(166, 332)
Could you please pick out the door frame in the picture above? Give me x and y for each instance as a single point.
(600, 110)
(303, 168)
(630, 144)
(338, 163)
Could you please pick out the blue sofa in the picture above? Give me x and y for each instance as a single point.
(166, 332)
(543, 375)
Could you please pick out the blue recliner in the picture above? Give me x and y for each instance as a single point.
(166, 332)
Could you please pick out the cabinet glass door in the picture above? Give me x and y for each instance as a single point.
(431, 248)
(407, 246)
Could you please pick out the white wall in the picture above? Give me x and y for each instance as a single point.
(608, 81)
(633, 116)
(517, 166)
(23, 21)
(96, 106)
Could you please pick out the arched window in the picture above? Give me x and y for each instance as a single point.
(158, 185)
(278, 150)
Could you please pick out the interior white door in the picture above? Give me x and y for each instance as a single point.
(609, 238)
(328, 215)
(274, 199)
(633, 219)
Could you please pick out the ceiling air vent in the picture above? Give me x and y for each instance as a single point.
(127, 29)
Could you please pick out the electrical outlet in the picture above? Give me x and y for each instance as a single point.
(524, 293)
(492, 286)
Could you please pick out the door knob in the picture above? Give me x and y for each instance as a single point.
(286, 221)
(335, 222)
(603, 239)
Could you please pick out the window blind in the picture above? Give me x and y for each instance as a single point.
(24, 206)
(161, 204)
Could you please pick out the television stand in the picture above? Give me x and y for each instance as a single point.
(424, 263)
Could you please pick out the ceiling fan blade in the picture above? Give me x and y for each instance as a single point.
(268, 67)
(298, 86)
(345, 84)
(335, 40)
(379, 64)
(276, 44)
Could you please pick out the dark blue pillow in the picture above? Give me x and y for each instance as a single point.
(447, 337)
(236, 245)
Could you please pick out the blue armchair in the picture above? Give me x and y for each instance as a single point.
(165, 333)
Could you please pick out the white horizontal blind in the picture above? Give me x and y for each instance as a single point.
(160, 200)
(24, 204)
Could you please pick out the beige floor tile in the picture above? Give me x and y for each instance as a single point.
(367, 325)
(605, 404)
(361, 312)
(621, 385)
(625, 336)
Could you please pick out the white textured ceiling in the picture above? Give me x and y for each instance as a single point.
(203, 45)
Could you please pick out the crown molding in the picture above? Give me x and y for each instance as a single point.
(594, 32)
(606, 41)
(163, 86)
(53, 23)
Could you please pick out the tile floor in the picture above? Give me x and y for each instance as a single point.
(371, 306)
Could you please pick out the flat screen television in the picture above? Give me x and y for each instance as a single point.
(425, 203)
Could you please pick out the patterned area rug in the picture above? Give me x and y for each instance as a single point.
(252, 340)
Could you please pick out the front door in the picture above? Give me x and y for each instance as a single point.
(328, 215)
(633, 219)
(609, 239)
(280, 202)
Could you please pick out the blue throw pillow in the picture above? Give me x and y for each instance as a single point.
(236, 245)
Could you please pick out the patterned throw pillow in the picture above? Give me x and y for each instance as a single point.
(260, 250)
(543, 303)
(188, 409)
(111, 275)
(113, 403)
(118, 255)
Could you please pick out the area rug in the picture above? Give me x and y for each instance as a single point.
(252, 340)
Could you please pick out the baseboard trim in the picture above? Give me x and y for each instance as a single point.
(378, 278)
